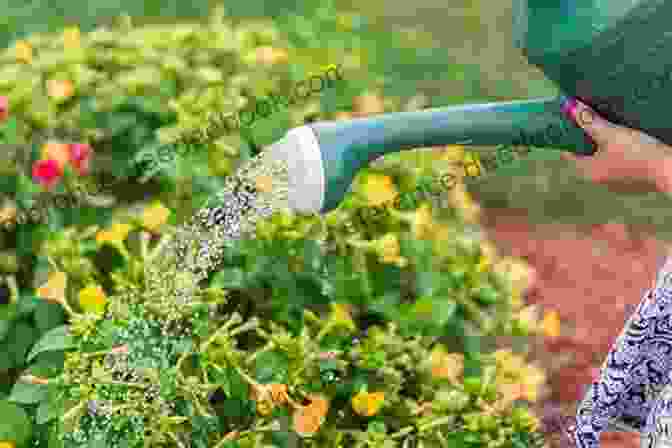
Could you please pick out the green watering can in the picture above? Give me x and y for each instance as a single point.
(610, 54)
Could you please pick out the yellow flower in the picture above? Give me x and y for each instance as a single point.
(551, 324)
(155, 216)
(267, 55)
(460, 198)
(93, 299)
(388, 248)
(7, 445)
(368, 404)
(54, 289)
(308, 419)
(446, 365)
(264, 183)
(115, 236)
(368, 104)
(422, 221)
(23, 51)
(472, 165)
(531, 383)
(8, 214)
(71, 37)
(510, 392)
(60, 90)
(268, 396)
(488, 255)
(529, 317)
(341, 315)
(379, 189)
(450, 153)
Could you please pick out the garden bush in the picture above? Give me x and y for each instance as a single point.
(365, 326)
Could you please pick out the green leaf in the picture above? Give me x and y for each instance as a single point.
(56, 339)
(15, 425)
(48, 316)
(272, 367)
(48, 364)
(230, 278)
(27, 304)
(23, 393)
(21, 337)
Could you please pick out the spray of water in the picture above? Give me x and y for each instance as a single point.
(255, 191)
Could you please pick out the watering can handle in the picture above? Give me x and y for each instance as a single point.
(347, 146)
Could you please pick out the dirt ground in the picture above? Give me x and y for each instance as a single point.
(594, 277)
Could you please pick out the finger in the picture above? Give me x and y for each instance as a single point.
(599, 129)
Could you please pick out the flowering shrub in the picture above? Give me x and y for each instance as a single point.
(335, 327)
(363, 326)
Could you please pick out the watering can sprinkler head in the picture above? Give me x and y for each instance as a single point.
(323, 158)
(613, 56)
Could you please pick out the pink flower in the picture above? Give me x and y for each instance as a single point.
(4, 108)
(47, 172)
(80, 157)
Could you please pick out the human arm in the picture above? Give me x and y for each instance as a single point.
(635, 369)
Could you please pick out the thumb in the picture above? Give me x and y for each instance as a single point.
(598, 129)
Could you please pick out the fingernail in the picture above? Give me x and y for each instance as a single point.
(569, 108)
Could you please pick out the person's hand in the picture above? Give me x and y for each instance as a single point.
(624, 155)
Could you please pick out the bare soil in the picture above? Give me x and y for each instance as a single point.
(594, 277)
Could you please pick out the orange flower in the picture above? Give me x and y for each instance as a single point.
(446, 365)
(551, 324)
(115, 236)
(368, 404)
(308, 419)
(60, 90)
(60, 152)
(23, 51)
(54, 289)
(31, 379)
(278, 393)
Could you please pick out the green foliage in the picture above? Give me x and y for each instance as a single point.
(329, 325)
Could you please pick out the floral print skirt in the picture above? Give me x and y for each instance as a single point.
(660, 422)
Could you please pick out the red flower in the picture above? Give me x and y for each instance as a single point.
(80, 157)
(47, 172)
(4, 108)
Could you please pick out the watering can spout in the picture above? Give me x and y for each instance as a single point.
(324, 157)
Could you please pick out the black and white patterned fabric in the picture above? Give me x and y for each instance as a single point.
(634, 391)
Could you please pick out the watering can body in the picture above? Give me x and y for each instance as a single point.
(613, 55)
